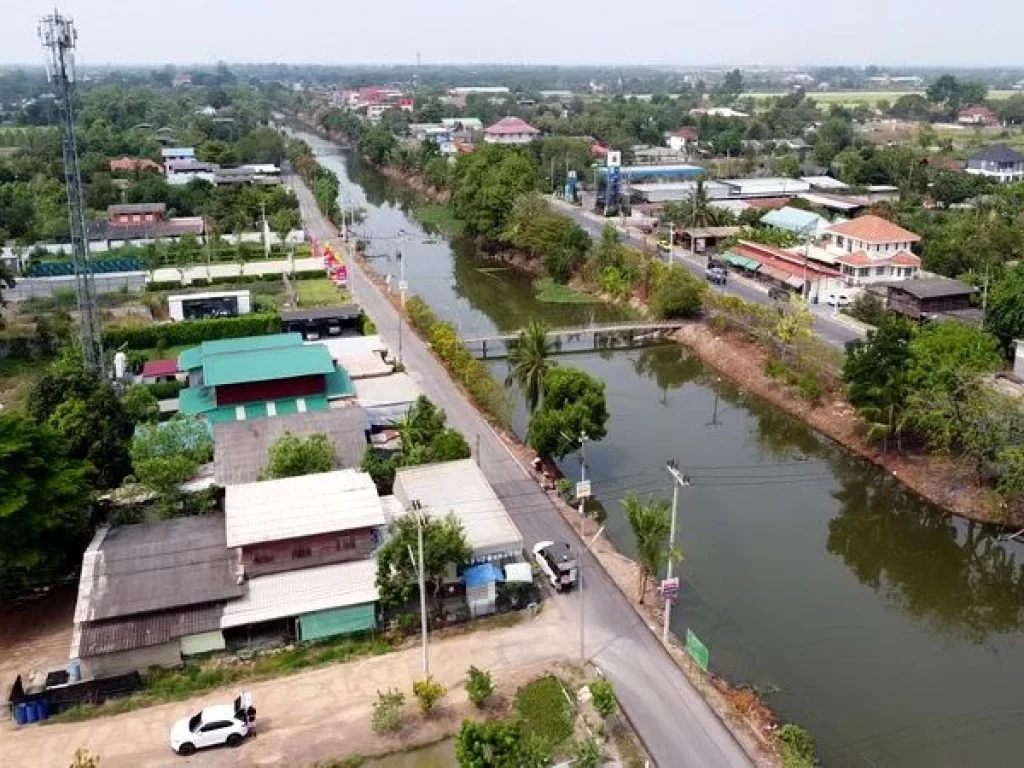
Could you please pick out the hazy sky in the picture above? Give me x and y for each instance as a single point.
(742, 32)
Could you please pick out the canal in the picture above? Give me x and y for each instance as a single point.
(890, 631)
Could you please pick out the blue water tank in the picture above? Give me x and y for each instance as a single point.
(43, 709)
(20, 714)
(31, 713)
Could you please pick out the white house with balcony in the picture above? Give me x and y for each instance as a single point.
(510, 130)
(997, 162)
(871, 249)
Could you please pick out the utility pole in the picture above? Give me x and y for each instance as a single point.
(401, 313)
(679, 480)
(416, 508)
(58, 34)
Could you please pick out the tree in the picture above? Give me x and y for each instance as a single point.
(387, 711)
(378, 144)
(485, 185)
(649, 521)
(166, 455)
(573, 404)
(140, 405)
(291, 456)
(942, 351)
(1004, 316)
(677, 293)
(868, 308)
(428, 692)
(529, 360)
(479, 686)
(445, 547)
(603, 696)
(875, 367)
(499, 744)
(6, 281)
(44, 502)
(697, 211)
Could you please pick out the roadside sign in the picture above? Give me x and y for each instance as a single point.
(583, 489)
(403, 285)
(697, 650)
(670, 588)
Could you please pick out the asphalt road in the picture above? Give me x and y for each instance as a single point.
(834, 331)
(676, 725)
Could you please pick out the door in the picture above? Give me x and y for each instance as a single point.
(213, 733)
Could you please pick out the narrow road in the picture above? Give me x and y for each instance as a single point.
(676, 725)
(832, 329)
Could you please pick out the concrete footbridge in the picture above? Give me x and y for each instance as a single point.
(581, 338)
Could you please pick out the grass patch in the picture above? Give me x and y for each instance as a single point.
(551, 292)
(162, 685)
(439, 218)
(320, 293)
(545, 712)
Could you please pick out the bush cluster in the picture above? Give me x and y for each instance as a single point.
(190, 332)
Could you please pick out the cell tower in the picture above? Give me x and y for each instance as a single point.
(59, 37)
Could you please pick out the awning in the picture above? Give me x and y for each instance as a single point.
(519, 572)
(751, 265)
(481, 575)
(782, 276)
(339, 621)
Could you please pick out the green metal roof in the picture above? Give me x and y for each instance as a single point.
(195, 357)
(337, 621)
(742, 261)
(266, 364)
(190, 359)
(339, 384)
(196, 400)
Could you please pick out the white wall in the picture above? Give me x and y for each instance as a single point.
(138, 659)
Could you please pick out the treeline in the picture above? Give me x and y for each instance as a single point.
(324, 184)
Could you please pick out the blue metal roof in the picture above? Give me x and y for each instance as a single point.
(680, 170)
(796, 220)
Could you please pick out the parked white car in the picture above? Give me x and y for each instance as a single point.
(838, 299)
(557, 563)
(214, 726)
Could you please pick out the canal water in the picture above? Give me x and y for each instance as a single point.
(890, 631)
(440, 755)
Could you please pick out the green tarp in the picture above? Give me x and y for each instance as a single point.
(752, 265)
(339, 621)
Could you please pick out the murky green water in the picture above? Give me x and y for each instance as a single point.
(440, 755)
(893, 633)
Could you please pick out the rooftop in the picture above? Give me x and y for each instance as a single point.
(340, 312)
(265, 365)
(998, 153)
(931, 287)
(241, 447)
(117, 210)
(293, 593)
(134, 569)
(160, 367)
(510, 125)
(360, 356)
(796, 220)
(275, 510)
(193, 356)
(143, 631)
(874, 229)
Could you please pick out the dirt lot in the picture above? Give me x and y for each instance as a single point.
(35, 636)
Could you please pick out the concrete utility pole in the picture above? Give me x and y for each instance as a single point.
(683, 481)
(415, 508)
(401, 294)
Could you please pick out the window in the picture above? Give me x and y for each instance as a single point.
(839, 240)
(879, 270)
(301, 551)
(348, 541)
(864, 271)
(262, 556)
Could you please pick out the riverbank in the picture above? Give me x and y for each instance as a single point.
(938, 479)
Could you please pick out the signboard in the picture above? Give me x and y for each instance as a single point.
(670, 588)
(341, 274)
(403, 286)
(614, 158)
(583, 489)
(697, 650)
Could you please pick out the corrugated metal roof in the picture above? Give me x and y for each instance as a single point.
(796, 220)
(265, 364)
(742, 261)
(241, 447)
(196, 400)
(360, 356)
(144, 631)
(460, 487)
(135, 569)
(275, 510)
(294, 593)
(386, 390)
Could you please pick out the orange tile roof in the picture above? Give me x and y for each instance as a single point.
(858, 259)
(905, 259)
(874, 229)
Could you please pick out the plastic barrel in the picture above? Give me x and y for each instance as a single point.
(20, 716)
(74, 671)
(31, 713)
(43, 709)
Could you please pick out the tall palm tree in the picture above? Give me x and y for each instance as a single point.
(529, 359)
(650, 523)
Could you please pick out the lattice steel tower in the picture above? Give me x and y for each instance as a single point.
(59, 37)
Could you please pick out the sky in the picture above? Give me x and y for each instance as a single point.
(657, 32)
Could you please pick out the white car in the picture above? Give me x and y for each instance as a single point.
(213, 726)
(557, 563)
(838, 299)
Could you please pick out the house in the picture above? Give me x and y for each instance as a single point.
(154, 371)
(932, 298)
(152, 593)
(136, 214)
(241, 448)
(772, 186)
(978, 115)
(510, 130)
(700, 239)
(718, 112)
(871, 249)
(386, 399)
(259, 377)
(134, 165)
(803, 224)
(792, 270)
(407, 104)
(682, 139)
(180, 80)
(305, 549)
(177, 153)
(181, 172)
(458, 124)
(997, 162)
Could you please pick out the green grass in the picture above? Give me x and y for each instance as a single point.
(320, 293)
(551, 292)
(545, 712)
(439, 218)
(162, 685)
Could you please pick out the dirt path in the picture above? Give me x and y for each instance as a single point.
(314, 715)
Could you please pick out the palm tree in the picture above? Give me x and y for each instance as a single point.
(529, 359)
(650, 523)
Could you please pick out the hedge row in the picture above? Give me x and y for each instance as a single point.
(190, 332)
(165, 390)
(486, 391)
(175, 285)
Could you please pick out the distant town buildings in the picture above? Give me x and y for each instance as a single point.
(682, 139)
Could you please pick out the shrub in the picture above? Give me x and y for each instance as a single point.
(428, 692)
(797, 746)
(165, 390)
(775, 369)
(603, 696)
(291, 456)
(677, 293)
(368, 326)
(868, 308)
(387, 711)
(810, 387)
(190, 331)
(479, 686)
(586, 753)
(545, 712)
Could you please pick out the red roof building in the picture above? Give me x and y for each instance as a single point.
(132, 164)
(871, 249)
(978, 115)
(510, 130)
(159, 370)
(681, 139)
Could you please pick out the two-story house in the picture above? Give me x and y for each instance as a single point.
(997, 162)
(870, 249)
(136, 214)
(305, 553)
(510, 130)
